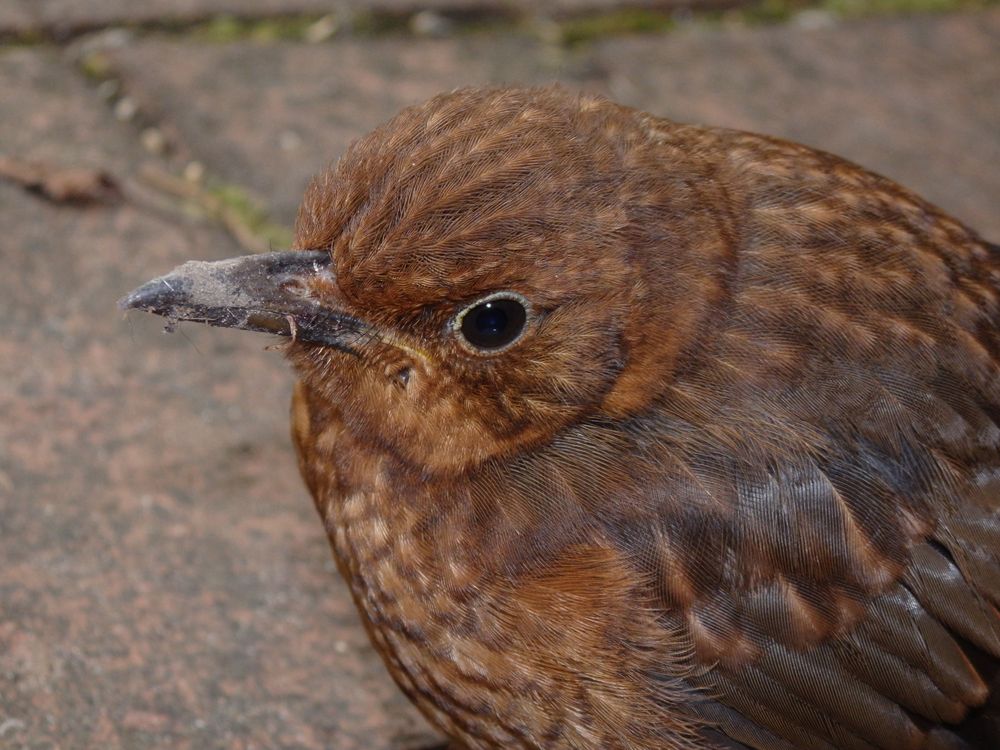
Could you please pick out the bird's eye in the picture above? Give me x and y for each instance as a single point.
(494, 322)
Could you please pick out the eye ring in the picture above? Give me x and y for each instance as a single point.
(493, 323)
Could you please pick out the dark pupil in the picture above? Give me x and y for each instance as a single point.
(493, 324)
(490, 320)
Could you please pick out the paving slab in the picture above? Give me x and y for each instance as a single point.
(164, 580)
(916, 98)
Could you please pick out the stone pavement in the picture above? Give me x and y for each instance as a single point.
(164, 582)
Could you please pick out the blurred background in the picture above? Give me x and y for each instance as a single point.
(164, 580)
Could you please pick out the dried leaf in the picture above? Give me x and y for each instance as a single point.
(65, 185)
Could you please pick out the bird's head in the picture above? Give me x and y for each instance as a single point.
(480, 272)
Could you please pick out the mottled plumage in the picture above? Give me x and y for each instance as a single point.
(737, 483)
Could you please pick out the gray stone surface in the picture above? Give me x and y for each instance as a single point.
(164, 580)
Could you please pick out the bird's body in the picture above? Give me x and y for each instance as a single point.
(733, 483)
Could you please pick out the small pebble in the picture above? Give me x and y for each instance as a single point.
(154, 141)
(108, 89)
(322, 29)
(194, 171)
(289, 140)
(125, 109)
(429, 23)
(814, 19)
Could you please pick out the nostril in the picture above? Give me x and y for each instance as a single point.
(293, 286)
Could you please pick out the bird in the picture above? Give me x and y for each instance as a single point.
(629, 434)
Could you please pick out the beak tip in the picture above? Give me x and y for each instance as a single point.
(153, 296)
(129, 302)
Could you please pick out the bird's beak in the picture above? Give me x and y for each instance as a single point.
(266, 292)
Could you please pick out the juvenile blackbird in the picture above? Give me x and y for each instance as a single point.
(633, 434)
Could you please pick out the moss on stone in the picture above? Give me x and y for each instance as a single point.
(226, 28)
(625, 21)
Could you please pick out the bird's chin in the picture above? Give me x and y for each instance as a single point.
(436, 435)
